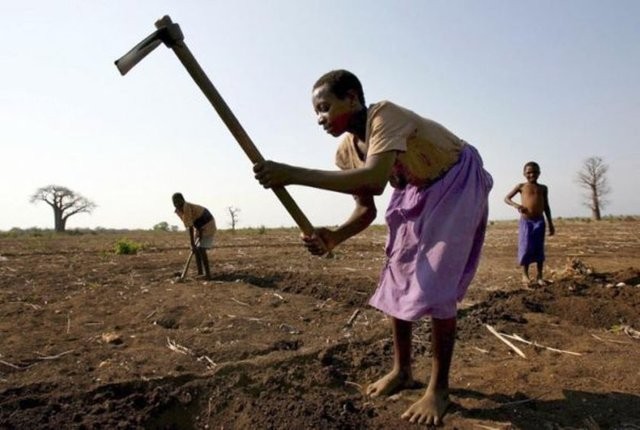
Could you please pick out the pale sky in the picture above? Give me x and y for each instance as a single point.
(547, 80)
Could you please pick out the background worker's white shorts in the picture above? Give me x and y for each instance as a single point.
(205, 242)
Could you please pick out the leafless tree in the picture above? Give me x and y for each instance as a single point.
(233, 214)
(64, 203)
(593, 178)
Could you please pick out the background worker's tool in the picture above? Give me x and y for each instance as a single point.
(170, 34)
(186, 266)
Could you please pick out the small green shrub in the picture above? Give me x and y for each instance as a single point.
(127, 247)
(262, 229)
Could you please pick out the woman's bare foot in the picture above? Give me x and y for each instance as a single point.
(429, 409)
(390, 383)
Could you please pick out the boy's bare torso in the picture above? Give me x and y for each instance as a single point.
(532, 199)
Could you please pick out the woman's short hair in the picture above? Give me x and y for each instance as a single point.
(340, 82)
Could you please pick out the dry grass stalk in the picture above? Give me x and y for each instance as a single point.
(519, 339)
(519, 402)
(632, 333)
(178, 348)
(352, 318)
(354, 384)
(53, 357)
(610, 340)
(239, 302)
(591, 424)
(211, 364)
(509, 344)
(36, 307)
(6, 363)
(41, 357)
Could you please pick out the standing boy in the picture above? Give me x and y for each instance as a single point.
(534, 202)
(202, 226)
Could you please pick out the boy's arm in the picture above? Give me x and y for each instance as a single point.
(547, 210)
(362, 216)
(508, 199)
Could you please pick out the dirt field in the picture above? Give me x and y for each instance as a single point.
(283, 340)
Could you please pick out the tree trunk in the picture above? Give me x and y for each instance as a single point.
(595, 205)
(59, 222)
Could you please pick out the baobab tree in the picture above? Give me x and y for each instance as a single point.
(593, 178)
(64, 203)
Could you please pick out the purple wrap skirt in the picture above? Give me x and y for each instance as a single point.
(531, 241)
(435, 235)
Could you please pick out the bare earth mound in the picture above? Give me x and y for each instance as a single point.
(280, 339)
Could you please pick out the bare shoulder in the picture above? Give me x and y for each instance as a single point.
(516, 189)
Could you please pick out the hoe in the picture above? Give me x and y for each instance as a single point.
(170, 34)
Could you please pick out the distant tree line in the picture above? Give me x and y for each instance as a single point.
(65, 203)
(164, 226)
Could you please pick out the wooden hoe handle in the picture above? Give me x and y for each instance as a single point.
(189, 62)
